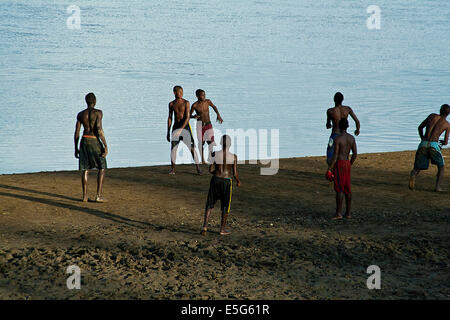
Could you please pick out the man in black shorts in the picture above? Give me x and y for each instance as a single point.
(181, 130)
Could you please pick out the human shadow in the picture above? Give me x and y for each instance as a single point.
(4, 186)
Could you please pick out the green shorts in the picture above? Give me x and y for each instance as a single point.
(428, 151)
(91, 150)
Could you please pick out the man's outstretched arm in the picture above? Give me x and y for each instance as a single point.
(357, 123)
(76, 138)
(219, 118)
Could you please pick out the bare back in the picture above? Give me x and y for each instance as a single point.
(336, 114)
(435, 126)
(344, 144)
(224, 164)
(91, 119)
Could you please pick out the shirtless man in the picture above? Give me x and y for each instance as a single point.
(334, 115)
(341, 168)
(429, 148)
(205, 131)
(181, 130)
(93, 148)
(220, 188)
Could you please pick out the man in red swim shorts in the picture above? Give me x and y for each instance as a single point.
(205, 131)
(341, 168)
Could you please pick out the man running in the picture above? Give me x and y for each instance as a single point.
(429, 148)
(341, 168)
(181, 130)
(334, 115)
(220, 188)
(93, 148)
(205, 131)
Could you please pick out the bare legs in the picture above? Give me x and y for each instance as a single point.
(84, 184)
(222, 232)
(339, 202)
(439, 177)
(173, 158)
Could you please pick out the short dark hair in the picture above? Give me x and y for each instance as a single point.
(225, 141)
(199, 91)
(343, 124)
(338, 98)
(176, 88)
(90, 98)
(445, 110)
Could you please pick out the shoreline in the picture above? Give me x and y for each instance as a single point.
(145, 242)
(239, 163)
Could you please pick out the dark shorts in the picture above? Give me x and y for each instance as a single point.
(185, 136)
(91, 150)
(342, 177)
(220, 189)
(330, 147)
(428, 151)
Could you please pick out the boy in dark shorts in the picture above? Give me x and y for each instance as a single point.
(429, 148)
(221, 186)
(341, 168)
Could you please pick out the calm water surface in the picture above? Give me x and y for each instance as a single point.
(265, 64)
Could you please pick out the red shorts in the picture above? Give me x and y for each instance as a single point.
(205, 133)
(341, 173)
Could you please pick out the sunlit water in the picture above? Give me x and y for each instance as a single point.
(265, 64)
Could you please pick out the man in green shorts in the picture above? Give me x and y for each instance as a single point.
(430, 148)
(93, 148)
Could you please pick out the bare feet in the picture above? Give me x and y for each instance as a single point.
(225, 232)
(338, 217)
(412, 182)
(99, 199)
(85, 199)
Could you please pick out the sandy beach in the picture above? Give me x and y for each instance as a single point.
(145, 242)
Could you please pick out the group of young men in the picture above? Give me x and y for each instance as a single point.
(93, 149)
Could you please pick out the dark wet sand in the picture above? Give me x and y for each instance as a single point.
(145, 243)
